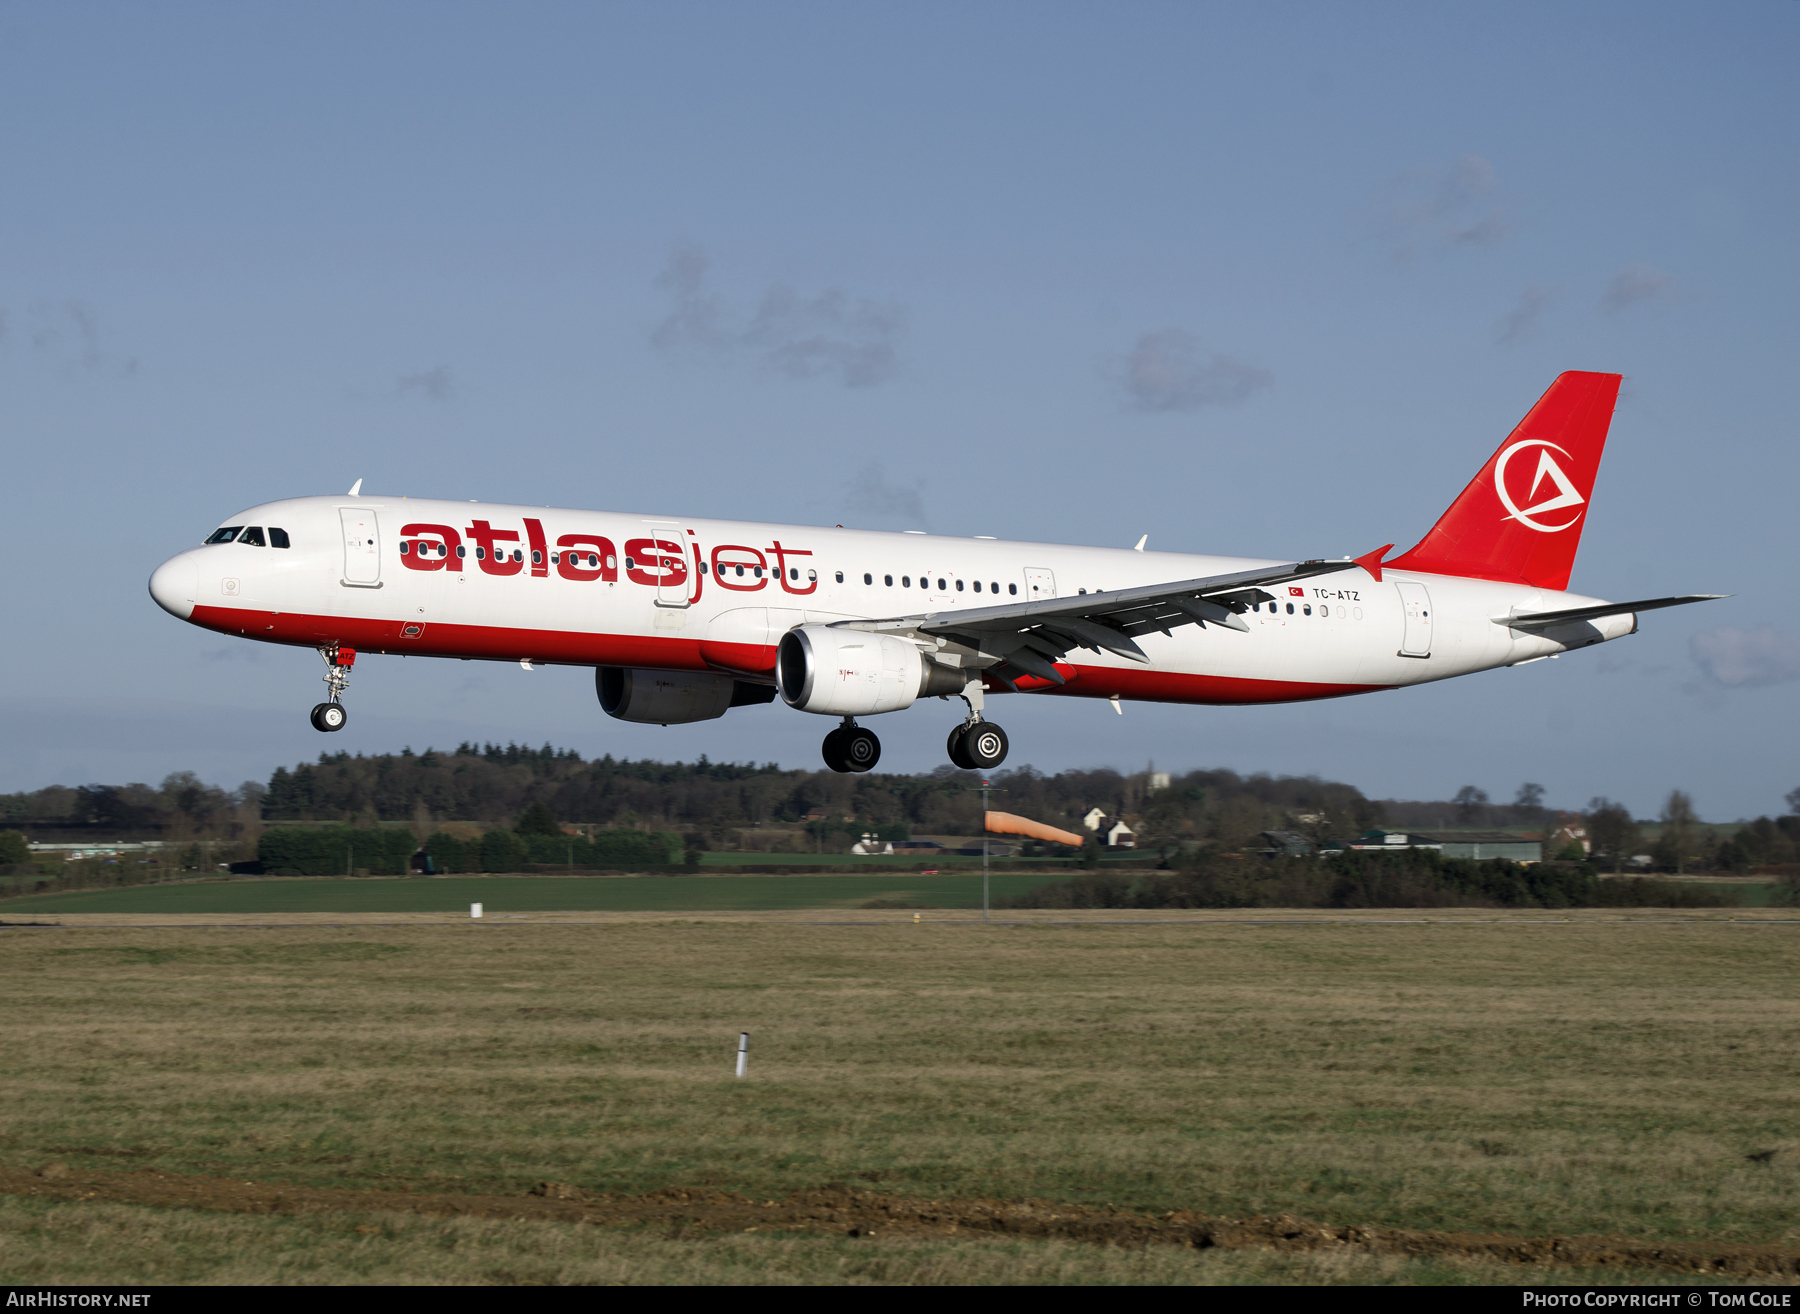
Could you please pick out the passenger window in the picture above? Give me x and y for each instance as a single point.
(1012, 588)
(993, 588)
(959, 587)
(629, 563)
(757, 570)
(940, 586)
(556, 558)
(840, 576)
(740, 569)
(404, 548)
(889, 579)
(481, 554)
(224, 535)
(702, 567)
(461, 551)
(252, 536)
(277, 537)
(870, 579)
(537, 558)
(1290, 609)
(793, 572)
(906, 582)
(978, 586)
(1307, 609)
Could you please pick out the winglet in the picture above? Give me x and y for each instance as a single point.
(1371, 561)
(1140, 543)
(355, 489)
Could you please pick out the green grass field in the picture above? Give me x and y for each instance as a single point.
(1625, 1078)
(503, 894)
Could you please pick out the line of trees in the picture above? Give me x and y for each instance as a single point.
(1415, 878)
(478, 789)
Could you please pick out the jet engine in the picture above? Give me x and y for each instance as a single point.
(839, 672)
(673, 697)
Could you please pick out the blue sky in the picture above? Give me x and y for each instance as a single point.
(1259, 279)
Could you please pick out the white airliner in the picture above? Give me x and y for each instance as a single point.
(684, 619)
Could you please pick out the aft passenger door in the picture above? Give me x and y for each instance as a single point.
(362, 547)
(1416, 640)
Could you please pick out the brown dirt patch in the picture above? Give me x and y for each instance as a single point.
(870, 1214)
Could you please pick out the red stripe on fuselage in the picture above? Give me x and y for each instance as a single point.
(562, 647)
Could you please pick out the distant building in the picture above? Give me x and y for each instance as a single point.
(1286, 844)
(1112, 830)
(1482, 845)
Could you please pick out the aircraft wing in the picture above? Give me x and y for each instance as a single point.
(1028, 638)
(1538, 620)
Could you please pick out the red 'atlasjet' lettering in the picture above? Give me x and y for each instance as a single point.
(586, 557)
(430, 547)
(493, 562)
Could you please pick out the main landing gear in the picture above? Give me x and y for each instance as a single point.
(976, 745)
(851, 748)
(330, 715)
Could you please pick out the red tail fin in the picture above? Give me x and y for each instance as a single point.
(1520, 519)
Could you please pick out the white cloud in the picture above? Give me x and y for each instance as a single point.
(1633, 284)
(434, 383)
(873, 494)
(1747, 659)
(1522, 318)
(1170, 370)
(855, 339)
(1445, 206)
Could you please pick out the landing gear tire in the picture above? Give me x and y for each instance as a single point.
(832, 750)
(862, 750)
(850, 748)
(329, 716)
(983, 745)
(954, 746)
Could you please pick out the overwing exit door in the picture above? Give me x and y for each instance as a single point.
(1039, 584)
(668, 560)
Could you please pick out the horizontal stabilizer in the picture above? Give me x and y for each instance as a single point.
(1538, 620)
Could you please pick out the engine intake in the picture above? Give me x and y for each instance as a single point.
(834, 672)
(673, 697)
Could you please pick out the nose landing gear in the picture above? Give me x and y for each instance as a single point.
(851, 748)
(331, 715)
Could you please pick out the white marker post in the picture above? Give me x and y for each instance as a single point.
(475, 910)
(743, 1052)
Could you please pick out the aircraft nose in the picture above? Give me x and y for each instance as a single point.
(174, 584)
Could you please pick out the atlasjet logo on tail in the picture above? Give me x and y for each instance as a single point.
(1547, 468)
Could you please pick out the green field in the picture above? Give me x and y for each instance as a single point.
(1616, 1078)
(503, 894)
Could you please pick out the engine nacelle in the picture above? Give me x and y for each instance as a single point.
(838, 672)
(673, 697)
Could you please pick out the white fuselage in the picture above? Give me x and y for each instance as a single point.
(717, 595)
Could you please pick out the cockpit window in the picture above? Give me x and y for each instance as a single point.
(252, 536)
(224, 535)
(277, 537)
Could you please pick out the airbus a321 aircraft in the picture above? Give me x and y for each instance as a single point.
(684, 619)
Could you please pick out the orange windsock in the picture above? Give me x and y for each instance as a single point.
(1005, 823)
